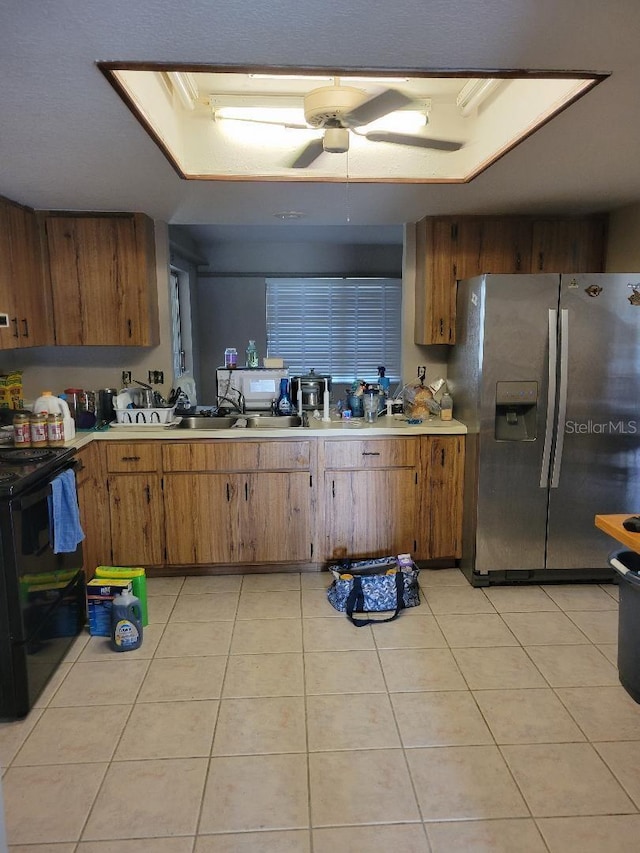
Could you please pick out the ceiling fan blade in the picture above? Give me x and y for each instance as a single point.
(415, 141)
(376, 107)
(309, 153)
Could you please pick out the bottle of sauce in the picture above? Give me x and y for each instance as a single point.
(38, 424)
(21, 430)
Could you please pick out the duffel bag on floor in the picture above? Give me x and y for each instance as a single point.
(370, 586)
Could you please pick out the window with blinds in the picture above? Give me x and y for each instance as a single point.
(342, 326)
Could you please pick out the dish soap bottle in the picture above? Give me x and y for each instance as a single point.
(252, 354)
(126, 622)
(284, 406)
(383, 384)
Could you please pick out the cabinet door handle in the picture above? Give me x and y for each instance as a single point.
(14, 320)
(130, 459)
(147, 490)
(333, 488)
(228, 493)
(442, 456)
(370, 453)
(246, 491)
(25, 323)
(540, 260)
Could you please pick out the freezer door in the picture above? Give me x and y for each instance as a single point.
(519, 334)
(598, 470)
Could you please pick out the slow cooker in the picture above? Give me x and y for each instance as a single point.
(311, 386)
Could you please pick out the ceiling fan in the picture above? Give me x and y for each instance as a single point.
(340, 110)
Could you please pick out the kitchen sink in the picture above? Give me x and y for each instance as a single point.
(206, 422)
(273, 421)
(252, 421)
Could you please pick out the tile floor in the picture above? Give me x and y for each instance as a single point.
(255, 719)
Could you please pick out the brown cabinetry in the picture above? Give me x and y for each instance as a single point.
(23, 296)
(136, 511)
(238, 502)
(103, 279)
(453, 248)
(93, 501)
(371, 490)
(441, 496)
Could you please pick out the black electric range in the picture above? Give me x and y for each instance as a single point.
(21, 468)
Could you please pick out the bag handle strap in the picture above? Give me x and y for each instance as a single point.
(355, 602)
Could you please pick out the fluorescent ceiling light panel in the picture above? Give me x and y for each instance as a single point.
(434, 131)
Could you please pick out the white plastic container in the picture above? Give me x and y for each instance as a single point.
(53, 405)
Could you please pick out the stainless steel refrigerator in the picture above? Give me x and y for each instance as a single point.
(546, 375)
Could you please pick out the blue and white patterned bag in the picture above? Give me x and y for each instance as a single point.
(369, 586)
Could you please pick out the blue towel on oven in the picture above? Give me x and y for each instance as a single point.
(64, 513)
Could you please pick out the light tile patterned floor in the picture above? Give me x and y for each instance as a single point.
(255, 719)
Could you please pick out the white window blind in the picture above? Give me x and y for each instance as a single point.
(342, 326)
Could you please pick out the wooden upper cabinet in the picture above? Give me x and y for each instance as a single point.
(451, 248)
(570, 245)
(23, 295)
(103, 279)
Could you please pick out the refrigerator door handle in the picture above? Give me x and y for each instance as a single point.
(551, 397)
(562, 397)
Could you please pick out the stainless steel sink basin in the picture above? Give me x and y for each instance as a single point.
(206, 423)
(273, 421)
(252, 422)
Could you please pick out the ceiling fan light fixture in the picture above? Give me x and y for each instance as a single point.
(336, 140)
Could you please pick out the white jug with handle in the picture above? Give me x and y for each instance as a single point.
(50, 404)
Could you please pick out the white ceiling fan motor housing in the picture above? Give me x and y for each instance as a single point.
(330, 103)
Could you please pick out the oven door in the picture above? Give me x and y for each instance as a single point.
(43, 602)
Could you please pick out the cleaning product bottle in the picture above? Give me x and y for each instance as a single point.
(126, 623)
(284, 406)
(383, 383)
(252, 354)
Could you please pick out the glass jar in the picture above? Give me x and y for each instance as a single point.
(446, 407)
(231, 358)
(55, 430)
(21, 430)
(38, 424)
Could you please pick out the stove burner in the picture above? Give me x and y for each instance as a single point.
(7, 478)
(16, 456)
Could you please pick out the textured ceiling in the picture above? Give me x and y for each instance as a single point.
(67, 141)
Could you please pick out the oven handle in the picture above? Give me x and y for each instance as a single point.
(30, 498)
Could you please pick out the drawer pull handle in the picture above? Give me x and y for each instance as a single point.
(130, 459)
(370, 453)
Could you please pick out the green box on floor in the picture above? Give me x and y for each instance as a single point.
(138, 579)
(100, 595)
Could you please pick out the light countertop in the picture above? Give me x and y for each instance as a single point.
(383, 427)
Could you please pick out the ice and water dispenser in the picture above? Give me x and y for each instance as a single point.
(516, 411)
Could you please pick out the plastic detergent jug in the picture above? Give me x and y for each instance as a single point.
(126, 623)
(52, 405)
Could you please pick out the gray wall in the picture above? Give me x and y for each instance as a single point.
(232, 290)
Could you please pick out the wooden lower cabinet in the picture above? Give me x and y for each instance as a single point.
(370, 513)
(371, 497)
(137, 519)
(261, 517)
(440, 518)
(231, 503)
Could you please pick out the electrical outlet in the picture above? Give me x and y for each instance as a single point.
(126, 377)
(422, 372)
(156, 377)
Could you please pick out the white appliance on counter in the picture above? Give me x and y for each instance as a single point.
(251, 389)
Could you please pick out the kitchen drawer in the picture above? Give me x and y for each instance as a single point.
(271, 455)
(371, 453)
(123, 457)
